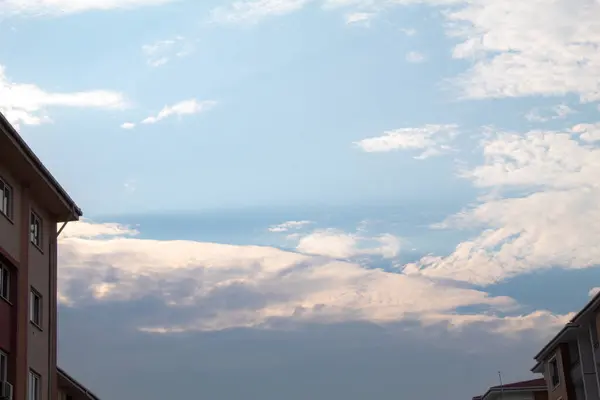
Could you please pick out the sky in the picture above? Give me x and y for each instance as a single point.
(312, 198)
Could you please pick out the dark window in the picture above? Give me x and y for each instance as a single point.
(36, 230)
(3, 366)
(554, 375)
(4, 282)
(5, 199)
(35, 308)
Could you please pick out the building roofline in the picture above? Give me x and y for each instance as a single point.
(593, 303)
(536, 368)
(509, 388)
(12, 132)
(75, 383)
(572, 324)
(555, 340)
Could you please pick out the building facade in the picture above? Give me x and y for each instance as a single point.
(571, 360)
(33, 209)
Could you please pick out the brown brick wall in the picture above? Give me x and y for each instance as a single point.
(564, 390)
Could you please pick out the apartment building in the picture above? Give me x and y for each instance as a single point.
(570, 361)
(534, 389)
(33, 209)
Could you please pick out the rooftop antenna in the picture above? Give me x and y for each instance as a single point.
(501, 385)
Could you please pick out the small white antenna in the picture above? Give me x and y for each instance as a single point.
(501, 385)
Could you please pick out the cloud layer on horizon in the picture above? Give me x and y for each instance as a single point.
(225, 286)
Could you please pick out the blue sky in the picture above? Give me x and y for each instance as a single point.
(375, 181)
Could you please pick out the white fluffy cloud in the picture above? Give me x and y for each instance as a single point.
(186, 107)
(337, 244)
(547, 224)
(528, 48)
(106, 262)
(27, 104)
(431, 139)
(61, 7)
(162, 51)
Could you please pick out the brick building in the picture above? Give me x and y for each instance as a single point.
(33, 210)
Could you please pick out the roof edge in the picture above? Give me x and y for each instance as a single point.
(589, 305)
(76, 383)
(12, 132)
(554, 341)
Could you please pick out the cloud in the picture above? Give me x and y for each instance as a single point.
(128, 125)
(186, 107)
(543, 193)
(557, 112)
(226, 286)
(594, 291)
(528, 48)
(162, 51)
(27, 104)
(254, 11)
(289, 225)
(359, 18)
(415, 57)
(85, 229)
(349, 361)
(432, 139)
(338, 244)
(408, 31)
(521, 49)
(588, 132)
(62, 7)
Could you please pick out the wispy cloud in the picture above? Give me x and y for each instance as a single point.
(128, 125)
(62, 7)
(27, 104)
(432, 139)
(547, 114)
(186, 107)
(162, 51)
(362, 18)
(415, 57)
(289, 225)
(253, 11)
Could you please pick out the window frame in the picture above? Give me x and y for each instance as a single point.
(33, 294)
(37, 378)
(553, 361)
(33, 218)
(3, 366)
(4, 273)
(5, 187)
